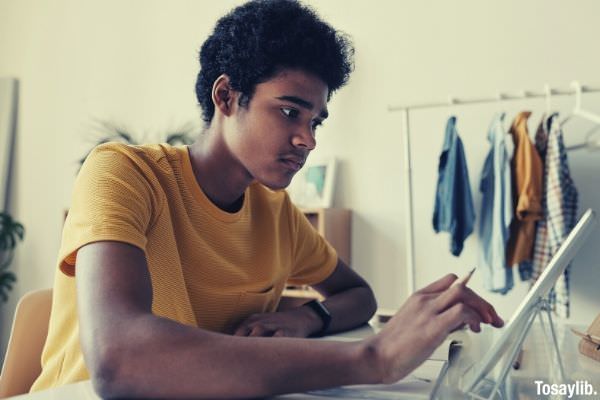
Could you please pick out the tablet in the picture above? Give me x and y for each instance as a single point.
(540, 289)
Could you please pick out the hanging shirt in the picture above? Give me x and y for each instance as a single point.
(541, 142)
(541, 138)
(560, 209)
(496, 209)
(454, 211)
(527, 172)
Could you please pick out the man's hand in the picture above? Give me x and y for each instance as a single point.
(297, 322)
(422, 324)
(349, 299)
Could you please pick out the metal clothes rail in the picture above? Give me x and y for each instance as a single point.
(576, 90)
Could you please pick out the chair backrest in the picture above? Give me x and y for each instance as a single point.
(22, 361)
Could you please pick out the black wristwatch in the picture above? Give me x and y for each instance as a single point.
(323, 313)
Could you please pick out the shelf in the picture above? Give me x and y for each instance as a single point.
(334, 224)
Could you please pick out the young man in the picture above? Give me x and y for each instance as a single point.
(173, 259)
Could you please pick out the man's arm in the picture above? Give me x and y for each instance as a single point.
(130, 352)
(349, 299)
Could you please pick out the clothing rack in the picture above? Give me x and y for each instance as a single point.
(575, 90)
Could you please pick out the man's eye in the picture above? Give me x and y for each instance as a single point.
(316, 124)
(290, 112)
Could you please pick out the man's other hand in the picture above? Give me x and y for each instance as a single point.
(297, 322)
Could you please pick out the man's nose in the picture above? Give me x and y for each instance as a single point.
(304, 138)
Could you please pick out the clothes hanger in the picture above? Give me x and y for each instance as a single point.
(548, 93)
(550, 115)
(592, 139)
(591, 142)
(577, 110)
(500, 97)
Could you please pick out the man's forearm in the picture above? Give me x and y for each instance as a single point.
(157, 357)
(350, 308)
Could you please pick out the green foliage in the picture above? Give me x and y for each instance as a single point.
(109, 132)
(11, 232)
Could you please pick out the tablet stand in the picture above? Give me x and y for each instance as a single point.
(498, 391)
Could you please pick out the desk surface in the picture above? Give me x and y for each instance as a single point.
(536, 365)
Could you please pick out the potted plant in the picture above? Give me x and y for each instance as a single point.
(111, 132)
(11, 232)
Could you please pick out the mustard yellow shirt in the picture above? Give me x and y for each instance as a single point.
(209, 268)
(527, 171)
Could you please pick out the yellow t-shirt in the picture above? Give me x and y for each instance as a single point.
(208, 268)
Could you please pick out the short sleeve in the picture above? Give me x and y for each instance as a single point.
(529, 203)
(112, 201)
(314, 259)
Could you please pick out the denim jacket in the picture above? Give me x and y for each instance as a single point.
(454, 211)
(496, 209)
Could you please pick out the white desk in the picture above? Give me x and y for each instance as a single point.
(535, 366)
(538, 363)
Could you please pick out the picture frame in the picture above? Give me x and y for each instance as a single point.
(8, 110)
(313, 185)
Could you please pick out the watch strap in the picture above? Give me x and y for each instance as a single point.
(323, 313)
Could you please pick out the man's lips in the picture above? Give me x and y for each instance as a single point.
(292, 163)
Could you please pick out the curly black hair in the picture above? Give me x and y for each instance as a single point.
(255, 40)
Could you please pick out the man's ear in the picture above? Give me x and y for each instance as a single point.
(223, 96)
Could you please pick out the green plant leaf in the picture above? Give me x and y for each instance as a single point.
(111, 132)
(6, 284)
(20, 231)
(179, 138)
(11, 232)
(6, 260)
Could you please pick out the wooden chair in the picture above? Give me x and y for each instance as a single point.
(22, 361)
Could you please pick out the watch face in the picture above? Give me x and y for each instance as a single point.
(318, 307)
(323, 308)
(322, 312)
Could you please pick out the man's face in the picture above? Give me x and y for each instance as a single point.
(275, 132)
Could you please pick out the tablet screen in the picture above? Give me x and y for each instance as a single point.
(539, 290)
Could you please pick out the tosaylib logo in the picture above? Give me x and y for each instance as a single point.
(578, 388)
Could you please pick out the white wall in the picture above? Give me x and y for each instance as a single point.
(134, 62)
(413, 52)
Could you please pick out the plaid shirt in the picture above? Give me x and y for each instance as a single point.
(560, 210)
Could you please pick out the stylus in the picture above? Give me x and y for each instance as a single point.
(465, 279)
